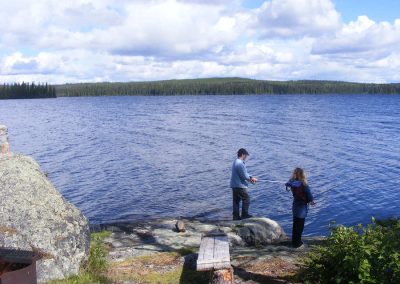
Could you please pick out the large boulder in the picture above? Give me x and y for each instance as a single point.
(260, 231)
(35, 216)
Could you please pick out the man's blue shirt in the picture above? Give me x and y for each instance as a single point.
(240, 176)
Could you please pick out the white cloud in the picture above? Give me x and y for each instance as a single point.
(123, 40)
(296, 18)
(167, 28)
(362, 35)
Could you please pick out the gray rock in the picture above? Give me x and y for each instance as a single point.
(35, 216)
(132, 240)
(260, 231)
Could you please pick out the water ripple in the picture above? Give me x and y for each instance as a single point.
(129, 158)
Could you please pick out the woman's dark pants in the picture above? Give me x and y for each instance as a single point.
(298, 227)
(240, 194)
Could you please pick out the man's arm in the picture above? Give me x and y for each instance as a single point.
(245, 175)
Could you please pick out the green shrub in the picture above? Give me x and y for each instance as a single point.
(360, 254)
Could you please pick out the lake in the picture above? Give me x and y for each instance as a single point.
(133, 158)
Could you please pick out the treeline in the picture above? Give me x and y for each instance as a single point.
(223, 86)
(27, 91)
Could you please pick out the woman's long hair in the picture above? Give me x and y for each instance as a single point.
(299, 174)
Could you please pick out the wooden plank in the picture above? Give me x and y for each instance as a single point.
(214, 253)
(208, 249)
(222, 258)
(202, 248)
(206, 254)
(221, 247)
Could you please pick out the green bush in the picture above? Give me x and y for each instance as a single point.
(360, 254)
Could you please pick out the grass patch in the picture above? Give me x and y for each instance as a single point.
(165, 267)
(96, 266)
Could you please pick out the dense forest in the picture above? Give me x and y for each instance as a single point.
(212, 86)
(27, 91)
(223, 86)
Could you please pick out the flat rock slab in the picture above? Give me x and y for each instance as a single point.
(136, 239)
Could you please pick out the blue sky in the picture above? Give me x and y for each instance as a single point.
(122, 40)
(377, 10)
(382, 10)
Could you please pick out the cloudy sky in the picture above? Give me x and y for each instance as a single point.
(134, 40)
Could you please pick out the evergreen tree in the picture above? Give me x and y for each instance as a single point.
(26, 91)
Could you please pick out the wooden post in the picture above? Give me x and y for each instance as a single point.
(223, 276)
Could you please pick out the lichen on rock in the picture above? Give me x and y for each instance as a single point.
(35, 216)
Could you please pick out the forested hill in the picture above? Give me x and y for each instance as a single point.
(223, 86)
(26, 91)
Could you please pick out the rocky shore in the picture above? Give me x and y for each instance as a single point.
(35, 216)
(260, 251)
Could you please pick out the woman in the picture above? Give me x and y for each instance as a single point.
(301, 198)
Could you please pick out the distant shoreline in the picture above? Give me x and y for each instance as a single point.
(223, 86)
(191, 87)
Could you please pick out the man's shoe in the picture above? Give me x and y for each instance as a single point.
(236, 218)
(247, 216)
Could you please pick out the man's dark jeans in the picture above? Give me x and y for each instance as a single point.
(240, 194)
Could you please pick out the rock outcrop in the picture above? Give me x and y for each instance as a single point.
(131, 240)
(35, 216)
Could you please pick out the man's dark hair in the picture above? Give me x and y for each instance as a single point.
(241, 152)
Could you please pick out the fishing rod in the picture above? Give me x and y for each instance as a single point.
(272, 181)
(320, 193)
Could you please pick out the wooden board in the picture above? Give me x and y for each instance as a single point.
(214, 253)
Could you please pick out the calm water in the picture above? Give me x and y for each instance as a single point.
(128, 158)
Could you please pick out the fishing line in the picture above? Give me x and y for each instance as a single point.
(272, 181)
(318, 193)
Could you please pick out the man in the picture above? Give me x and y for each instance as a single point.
(239, 185)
